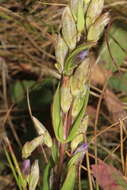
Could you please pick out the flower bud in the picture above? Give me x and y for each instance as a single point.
(94, 10)
(69, 28)
(26, 167)
(80, 77)
(84, 124)
(80, 17)
(97, 28)
(66, 97)
(60, 52)
(34, 175)
(76, 141)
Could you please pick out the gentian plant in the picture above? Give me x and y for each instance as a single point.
(82, 24)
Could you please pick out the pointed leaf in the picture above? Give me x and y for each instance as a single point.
(70, 179)
(56, 116)
(46, 176)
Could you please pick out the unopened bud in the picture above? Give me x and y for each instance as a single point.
(34, 175)
(76, 141)
(80, 77)
(26, 167)
(66, 97)
(69, 28)
(60, 52)
(97, 28)
(94, 10)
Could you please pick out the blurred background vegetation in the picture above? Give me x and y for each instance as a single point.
(27, 38)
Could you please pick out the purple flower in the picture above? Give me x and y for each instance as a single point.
(83, 54)
(82, 148)
(26, 167)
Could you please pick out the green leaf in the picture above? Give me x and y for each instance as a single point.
(120, 35)
(46, 175)
(18, 90)
(70, 179)
(55, 152)
(75, 159)
(119, 82)
(56, 117)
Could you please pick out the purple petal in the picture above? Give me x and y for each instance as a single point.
(26, 167)
(83, 54)
(82, 148)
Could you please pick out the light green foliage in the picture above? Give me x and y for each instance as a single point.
(46, 177)
(70, 179)
(56, 112)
